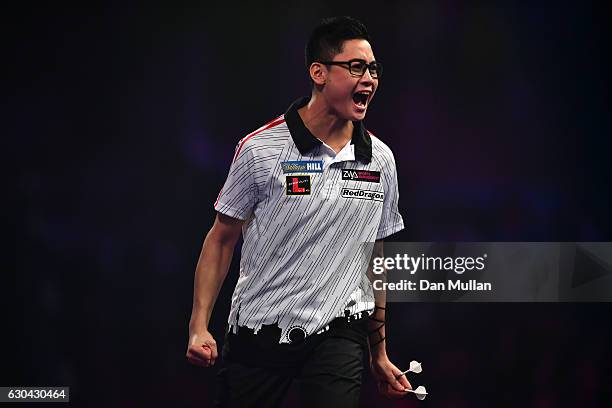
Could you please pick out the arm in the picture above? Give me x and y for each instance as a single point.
(210, 273)
(384, 371)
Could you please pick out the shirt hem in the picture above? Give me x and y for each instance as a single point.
(230, 211)
(390, 230)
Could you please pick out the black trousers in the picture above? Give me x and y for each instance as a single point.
(257, 371)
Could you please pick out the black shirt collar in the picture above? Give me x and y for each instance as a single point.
(306, 141)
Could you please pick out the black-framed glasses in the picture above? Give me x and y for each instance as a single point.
(357, 67)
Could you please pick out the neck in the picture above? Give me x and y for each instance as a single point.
(325, 124)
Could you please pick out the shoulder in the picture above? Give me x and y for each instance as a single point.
(269, 136)
(380, 149)
(383, 158)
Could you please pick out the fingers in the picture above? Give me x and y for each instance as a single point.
(211, 353)
(403, 381)
(197, 360)
(196, 357)
(388, 391)
(204, 355)
(398, 383)
(213, 349)
(207, 351)
(393, 384)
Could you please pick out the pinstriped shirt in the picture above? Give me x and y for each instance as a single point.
(307, 211)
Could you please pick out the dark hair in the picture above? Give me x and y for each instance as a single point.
(327, 38)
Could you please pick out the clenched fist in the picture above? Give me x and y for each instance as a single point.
(202, 349)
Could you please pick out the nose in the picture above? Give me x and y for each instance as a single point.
(366, 78)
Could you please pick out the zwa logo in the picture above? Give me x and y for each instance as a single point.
(361, 175)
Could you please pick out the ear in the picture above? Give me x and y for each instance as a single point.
(318, 73)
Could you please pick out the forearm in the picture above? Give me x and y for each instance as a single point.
(211, 270)
(376, 324)
(391, 381)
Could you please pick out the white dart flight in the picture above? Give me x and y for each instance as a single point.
(420, 392)
(415, 367)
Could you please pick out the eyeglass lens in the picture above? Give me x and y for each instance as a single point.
(359, 68)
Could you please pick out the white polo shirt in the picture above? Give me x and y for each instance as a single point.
(307, 212)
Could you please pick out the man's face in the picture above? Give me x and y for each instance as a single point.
(349, 95)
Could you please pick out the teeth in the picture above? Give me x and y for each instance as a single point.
(361, 97)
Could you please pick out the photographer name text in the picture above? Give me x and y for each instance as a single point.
(426, 285)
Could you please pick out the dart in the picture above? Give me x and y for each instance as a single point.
(420, 392)
(415, 367)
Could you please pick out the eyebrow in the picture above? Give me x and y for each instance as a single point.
(361, 59)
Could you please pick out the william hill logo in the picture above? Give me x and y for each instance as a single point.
(302, 166)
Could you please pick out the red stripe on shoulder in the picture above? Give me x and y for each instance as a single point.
(372, 134)
(267, 126)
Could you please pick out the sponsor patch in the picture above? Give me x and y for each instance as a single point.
(302, 166)
(297, 185)
(362, 194)
(361, 175)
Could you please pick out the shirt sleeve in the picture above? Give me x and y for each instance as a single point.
(391, 220)
(237, 197)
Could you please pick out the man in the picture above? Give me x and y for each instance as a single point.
(306, 191)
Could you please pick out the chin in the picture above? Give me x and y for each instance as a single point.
(352, 114)
(355, 116)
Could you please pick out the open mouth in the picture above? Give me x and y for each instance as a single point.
(361, 98)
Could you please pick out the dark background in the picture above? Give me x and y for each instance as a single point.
(121, 124)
